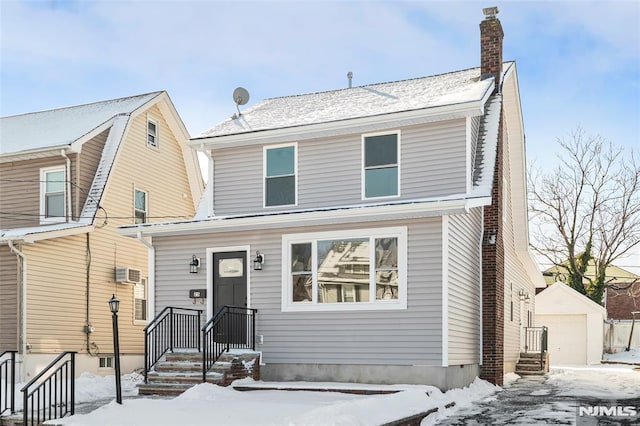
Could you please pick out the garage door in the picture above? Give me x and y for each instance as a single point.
(567, 338)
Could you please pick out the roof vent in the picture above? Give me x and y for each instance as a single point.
(350, 77)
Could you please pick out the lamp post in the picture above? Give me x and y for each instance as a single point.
(114, 305)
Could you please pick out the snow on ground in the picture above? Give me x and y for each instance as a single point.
(90, 387)
(207, 404)
(632, 356)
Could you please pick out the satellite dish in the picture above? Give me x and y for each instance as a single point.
(240, 96)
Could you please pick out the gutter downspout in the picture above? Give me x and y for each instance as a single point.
(68, 185)
(210, 163)
(151, 267)
(23, 304)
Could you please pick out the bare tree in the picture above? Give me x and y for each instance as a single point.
(587, 210)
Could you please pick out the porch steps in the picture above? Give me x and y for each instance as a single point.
(530, 364)
(180, 371)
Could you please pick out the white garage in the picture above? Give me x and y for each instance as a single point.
(575, 325)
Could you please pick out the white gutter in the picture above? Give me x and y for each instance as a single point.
(68, 185)
(307, 218)
(151, 268)
(210, 171)
(23, 307)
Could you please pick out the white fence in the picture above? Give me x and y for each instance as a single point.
(616, 335)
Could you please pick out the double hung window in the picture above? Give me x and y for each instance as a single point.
(140, 206)
(152, 133)
(343, 270)
(280, 175)
(52, 194)
(140, 300)
(380, 165)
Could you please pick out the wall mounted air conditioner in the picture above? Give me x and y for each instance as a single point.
(128, 275)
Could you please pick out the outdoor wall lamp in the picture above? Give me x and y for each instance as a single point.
(258, 261)
(491, 236)
(194, 265)
(524, 296)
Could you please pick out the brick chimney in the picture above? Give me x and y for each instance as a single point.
(493, 279)
(491, 36)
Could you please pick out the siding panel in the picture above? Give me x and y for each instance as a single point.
(404, 337)
(432, 163)
(464, 287)
(8, 299)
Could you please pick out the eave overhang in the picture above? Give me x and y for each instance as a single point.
(329, 216)
(31, 235)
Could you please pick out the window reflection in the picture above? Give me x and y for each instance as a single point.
(343, 271)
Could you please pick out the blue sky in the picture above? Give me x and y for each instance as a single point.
(578, 62)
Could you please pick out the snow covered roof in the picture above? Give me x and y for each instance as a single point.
(63, 126)
(364, 101)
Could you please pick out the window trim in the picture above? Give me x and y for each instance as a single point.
(155, 146)
(295, 174)
(146, 202)
(43, 192)
(144, 281)
(287, 304)
(108, 360)
(364, 136)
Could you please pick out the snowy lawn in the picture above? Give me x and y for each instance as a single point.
(207, 404)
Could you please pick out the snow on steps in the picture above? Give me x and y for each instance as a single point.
(180, 371)
(529, 364)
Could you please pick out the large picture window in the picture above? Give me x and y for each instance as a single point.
(52, 194)
(345, 270)
(280, 176)
(380, 165)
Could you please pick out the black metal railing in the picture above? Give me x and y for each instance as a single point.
(8, 381)
(171, 329)
(232, 327)
(52, 393)
(536, 340)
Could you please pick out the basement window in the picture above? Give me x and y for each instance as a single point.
(106, 362)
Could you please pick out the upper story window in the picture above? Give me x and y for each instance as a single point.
(140, 206)
(52, 194)
(152, 133)
(280, 175)
(380, 176)
(345, 270)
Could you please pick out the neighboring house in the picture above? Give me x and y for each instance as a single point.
(575, 322)
(68, 178)
(622, 299)
(391, 219)
(622, 294)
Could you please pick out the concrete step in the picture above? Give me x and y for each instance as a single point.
(183, 378)
(163, 388)
(183, 356)
(179, 366)
(522, 367)
(530, 372)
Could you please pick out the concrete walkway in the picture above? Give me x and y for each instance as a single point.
(533, 401)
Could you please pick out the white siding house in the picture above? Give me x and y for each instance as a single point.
(374, 210)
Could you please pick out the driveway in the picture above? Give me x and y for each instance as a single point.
(537, 401)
